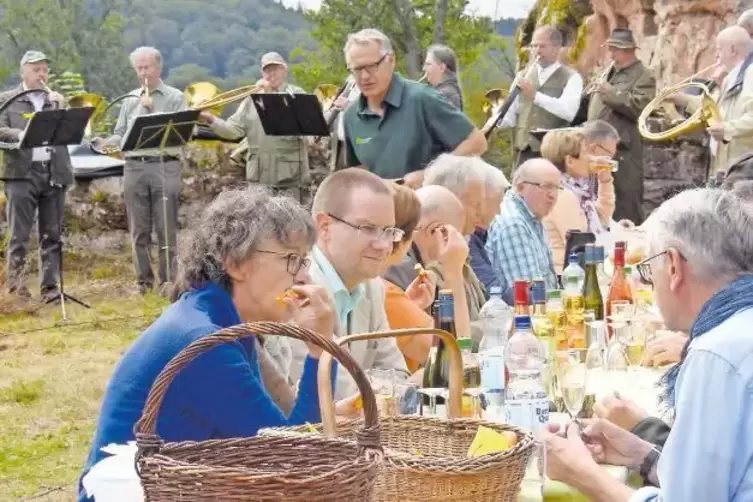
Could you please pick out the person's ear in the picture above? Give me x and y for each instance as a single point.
(322, 224)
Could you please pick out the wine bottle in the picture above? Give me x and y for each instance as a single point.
(440, 365)
(619, 287)
(591, 291)
(426, 381)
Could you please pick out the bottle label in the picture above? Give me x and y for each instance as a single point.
(529, 414)
(492, 366)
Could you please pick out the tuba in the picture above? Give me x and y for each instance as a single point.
(706, 113)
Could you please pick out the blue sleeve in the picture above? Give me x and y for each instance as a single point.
(223, 387)
(482, 267)
(713, 420)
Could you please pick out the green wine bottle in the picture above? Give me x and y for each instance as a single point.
(440, 364)
(591, 292)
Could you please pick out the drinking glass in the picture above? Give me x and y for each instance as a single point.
(622, 314)
(571, 376)
(635, 346)
(432, 393)
(383, 383)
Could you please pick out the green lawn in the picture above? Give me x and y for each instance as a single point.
(53, 374)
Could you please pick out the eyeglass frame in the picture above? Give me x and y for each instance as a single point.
(547, 187)
(644, 267)
(293, 258)
(370, 68)
(399, 233)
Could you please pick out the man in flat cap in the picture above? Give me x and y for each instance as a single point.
(281, 162)
(619, 99)
(35, 181)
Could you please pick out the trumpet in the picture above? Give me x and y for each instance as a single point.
(600, 79)
(422, 79)
(145, 92)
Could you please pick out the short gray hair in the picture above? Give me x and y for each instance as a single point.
(522, 173)
(369, 36)
(232, 226)
(746, 20)
(744, 190)
(453, 172)
(494, 178)
(156, 54)
(599, 130)
(711, 228)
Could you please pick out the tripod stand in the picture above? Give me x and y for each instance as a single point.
(62, 296)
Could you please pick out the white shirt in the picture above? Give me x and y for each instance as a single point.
(353, 96)
(42, 153)
(565, 107)
(727, 84)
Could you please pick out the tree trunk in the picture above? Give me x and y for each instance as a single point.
(439, 20)
(413, 48)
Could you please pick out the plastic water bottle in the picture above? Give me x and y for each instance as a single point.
(496, 318)
(526, 402)
(573, 273)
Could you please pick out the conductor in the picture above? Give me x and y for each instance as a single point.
(35, 181)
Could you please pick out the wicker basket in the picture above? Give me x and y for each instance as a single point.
(305, 467)
(425, 459)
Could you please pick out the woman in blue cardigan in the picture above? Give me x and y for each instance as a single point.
(248, 248)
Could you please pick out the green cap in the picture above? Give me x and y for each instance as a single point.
(33, 57)
(465, 343)
(554, 294)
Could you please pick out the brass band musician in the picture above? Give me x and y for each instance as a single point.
(619, 99)
(349, 95)
(548, 100)
(281, 162)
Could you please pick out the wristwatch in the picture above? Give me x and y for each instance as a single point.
(648, 463)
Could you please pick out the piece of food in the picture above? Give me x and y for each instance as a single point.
(289, 294)
(420, 270)
(488, 441)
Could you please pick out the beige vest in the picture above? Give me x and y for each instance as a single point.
(531, 117)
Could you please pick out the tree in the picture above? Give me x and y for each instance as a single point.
(76, 35)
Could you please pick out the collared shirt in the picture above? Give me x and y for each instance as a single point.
(37, 99)
(166, 99)
(345, 301)
(517, 245)
(709, 452)
(565, 107)
(417, 125)
(727, 84)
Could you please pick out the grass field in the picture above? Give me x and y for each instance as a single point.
(53, 374)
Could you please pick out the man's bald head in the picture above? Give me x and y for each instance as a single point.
(438, 204)
(532, 168)
(537, 182)
(733, 44)
(745, 21)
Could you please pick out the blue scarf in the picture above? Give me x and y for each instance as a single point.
(725, 303)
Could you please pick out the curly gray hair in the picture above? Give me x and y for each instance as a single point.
(232, 226)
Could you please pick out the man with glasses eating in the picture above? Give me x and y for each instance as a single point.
(398, 126)
(517, 245)
(354, 216)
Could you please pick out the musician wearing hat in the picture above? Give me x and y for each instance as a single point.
(35, 180)
(281, 162)
(619, 100)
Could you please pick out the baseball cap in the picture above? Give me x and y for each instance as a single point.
(33, 57)
(272, 58)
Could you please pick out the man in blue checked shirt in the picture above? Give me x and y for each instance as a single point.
(517, 245)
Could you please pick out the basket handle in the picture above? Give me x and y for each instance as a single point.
(327, 404)
(145, 428)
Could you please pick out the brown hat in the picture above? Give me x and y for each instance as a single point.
(621, 39)
(272, 58)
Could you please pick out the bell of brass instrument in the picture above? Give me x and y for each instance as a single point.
(512, 94)
(600, 79)
(493, 100)
(706, 113)
(200, 93)
(327, 94)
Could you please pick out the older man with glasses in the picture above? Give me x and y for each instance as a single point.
(354, 216)
(398, 126)
(517, 245)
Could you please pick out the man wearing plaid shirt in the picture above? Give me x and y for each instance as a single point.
(517, 245)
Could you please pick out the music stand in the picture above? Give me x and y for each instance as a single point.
(50, 128)
(290, 114)
(159, 131)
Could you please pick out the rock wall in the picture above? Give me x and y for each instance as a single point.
(675, 39)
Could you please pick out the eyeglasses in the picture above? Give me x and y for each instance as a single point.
(547, 187)
(374, 233)
(295, 261)
(368, 68)
(644, 267)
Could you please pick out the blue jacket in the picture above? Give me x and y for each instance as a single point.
(218, 395)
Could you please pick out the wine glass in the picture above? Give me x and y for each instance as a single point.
(635, 345)
(622, 313)
(383, 383)
(432, 393)
(571, 376)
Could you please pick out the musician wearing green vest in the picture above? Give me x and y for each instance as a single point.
(281, 162)
(619, 100)
(549, 98)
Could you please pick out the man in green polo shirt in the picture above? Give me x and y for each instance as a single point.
(398, 126)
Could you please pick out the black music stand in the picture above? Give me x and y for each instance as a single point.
(49, 128)
(159, 131)
(290, 114)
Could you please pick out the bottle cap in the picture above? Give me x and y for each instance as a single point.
(538, 291)
(495, 291)
(520, 292)
(554, 294)
(590, 254)
(573, 258)
(465, 343)
(522, 322)
(600, 256)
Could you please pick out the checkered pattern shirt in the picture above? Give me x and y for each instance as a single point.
(517, 245)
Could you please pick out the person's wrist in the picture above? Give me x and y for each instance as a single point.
(641, 455)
